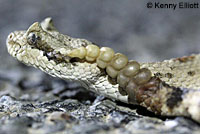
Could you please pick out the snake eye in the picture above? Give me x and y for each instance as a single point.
(33, 39)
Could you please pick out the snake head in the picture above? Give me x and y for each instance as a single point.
(38, 45)
(42, 41)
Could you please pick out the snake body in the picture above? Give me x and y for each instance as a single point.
(170, 87)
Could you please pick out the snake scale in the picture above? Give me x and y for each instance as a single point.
(169, 88)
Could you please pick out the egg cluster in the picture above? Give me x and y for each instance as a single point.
(128, 74)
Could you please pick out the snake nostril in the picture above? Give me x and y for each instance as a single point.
(11, 36)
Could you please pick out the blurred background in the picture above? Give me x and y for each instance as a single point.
(127, 26)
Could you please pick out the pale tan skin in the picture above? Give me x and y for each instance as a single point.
(168, 88)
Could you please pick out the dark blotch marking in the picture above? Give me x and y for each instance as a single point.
(147, 94)
(122, 91)
(191, 73)
(168, 75)
(111, 80)
(49, 55)
(158, 74)
(57, 57)
(174, 97)
(172, 68)
(72, 60)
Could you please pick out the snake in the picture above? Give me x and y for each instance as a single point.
(167, 88)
